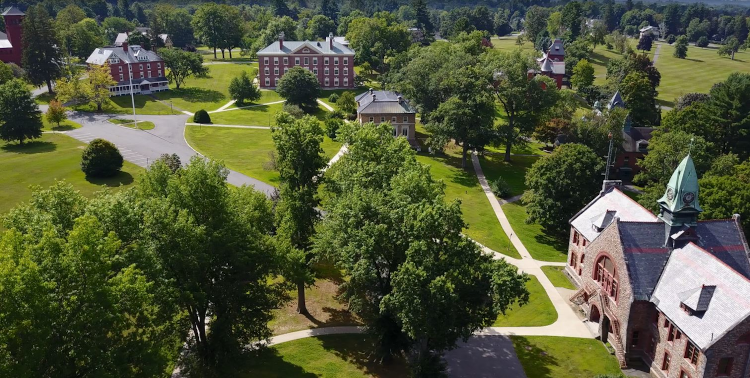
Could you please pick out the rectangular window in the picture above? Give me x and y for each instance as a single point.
(265, 61)
(346, 61)
(382, 119)
(266, 71)
(336, 71)
(725, 366)
(634, 339)
(573, 260)
(326, 71)
(296, 61)
(372, 119)
(276, 60)
(286, 61)
(307, 61)
(158, 65)
(326, 61)
(394, 131)
(159, 73)
(276, 70)
(148, 66)
(336, 82)
(405, 131)
(346, 82)
(684, 374)
(406, 119)
(315, 61)
(346, 71)
(286, 69)
(276, 82)
(393, 119)
(140, 67)
(336, 61)
(328, 83)
(691, 352)
(315, 71)
(268, 81)
(666, 322)
(149, 74)
(120, 67)
(575, 237)
(665, 362)
(656, 318)
(121, 79)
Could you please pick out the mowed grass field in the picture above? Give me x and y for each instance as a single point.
(540, 246)
(42, 161)
(702, 68)
(538, 312)
(247, 151)
(564, 357)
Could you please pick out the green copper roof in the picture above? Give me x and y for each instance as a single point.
(682, 190)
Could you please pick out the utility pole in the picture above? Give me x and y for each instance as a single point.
(132, 97)
(609, 157)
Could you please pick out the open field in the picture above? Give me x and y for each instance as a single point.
(124, 105)
(538, 312)
(209, 93)
(557, 277)
(42, 161)
(702, 68)
(563, 357)
(331, 356)
(514, 173)
(539, 245)
(261, 115)
(461, 184)
(208, 55)
(243, 150)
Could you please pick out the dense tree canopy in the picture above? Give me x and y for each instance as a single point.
(20, 118)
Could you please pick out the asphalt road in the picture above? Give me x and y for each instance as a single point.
(142, 147)
(484, 357)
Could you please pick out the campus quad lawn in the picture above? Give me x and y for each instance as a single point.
(483, 225)
(208, 93)
(330, 356)
(42, 161)
(563, 357)
(557, 277)
(208, 55)
(243, 150)
(702, 68)
(540, 246)
(514, 173)
(144, 105)
(260, 115)
(538, 312)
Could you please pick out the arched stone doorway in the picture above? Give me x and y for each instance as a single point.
(605, 329)
(594, 315)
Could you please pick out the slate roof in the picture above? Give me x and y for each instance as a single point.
(557, 47)
(318, 47)
(724, 239)
(645, 255)
(4, 41)
(616, 101)
(13, 11)
(634, 135)
(385, 102)
(121, 37)
(728, 305)
(102, 54)
(624, 207)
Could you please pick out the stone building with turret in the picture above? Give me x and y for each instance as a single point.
(668, 290)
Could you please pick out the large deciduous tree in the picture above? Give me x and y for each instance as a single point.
(415, 280)
(41, 47)
(524, 100)
(242, 89)
(300, 87)
(20, 118)
(299, 162)
(100, 79)
(375, 39)
(535, 22)
(182, 64)
(561, 184)
(640, 99)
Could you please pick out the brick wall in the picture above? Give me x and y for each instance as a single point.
(399, 124)
(156, 67)
(275, 65)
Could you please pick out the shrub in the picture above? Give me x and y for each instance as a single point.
(101, 159)
(671, 38)
(333, 98)
(702, 41)
(201, 116)
(171, 161)
(294, 110)
(500, 187)
(332, 126)
(690, 98)
(242, 89)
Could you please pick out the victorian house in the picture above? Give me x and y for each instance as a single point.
(552, 63)
(133, 68)
(635, 141)
(669, 290)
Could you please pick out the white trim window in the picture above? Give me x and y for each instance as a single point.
(336, 61)
(406, 119)
(346, 71)
(307, 61)
(148, 66)
(121, 79)
(315, 70)
(326, 61)
(346, 81)
(149, 74)
(265, 61)
(327, 82)
(326, 71)
(120, 67)
(276, 60)
(158, 65)
(267, 71)
(315, 61)
(159, 73)
(268, 82)
(372, 119)
(336, 82)
(276, 82)
(393, 119)
(286, 69)
(141, 74)
(382, 119)
(336, 71)
(346, 61)
(276, 70)
(296, 61)
(286, 61)
(405, 131)
(140, 67)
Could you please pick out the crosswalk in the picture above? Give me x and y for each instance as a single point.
(128, 154)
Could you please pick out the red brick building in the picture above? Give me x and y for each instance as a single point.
(386, 106)
(552, 63)
(11, 42)
(331, 61)
(667, 291)
(635, 141)
(148, 71)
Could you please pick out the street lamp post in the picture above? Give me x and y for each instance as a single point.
(132, 97)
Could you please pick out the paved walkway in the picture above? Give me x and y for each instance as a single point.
(657, 52)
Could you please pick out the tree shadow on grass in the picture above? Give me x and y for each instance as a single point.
(63, 128)
(558, 244)
(33, 147)
(192, 94)
(267, 363)
(359, 350)
(665, 103)
(465, 177)
(120, 179)
(535, 361)
(694, 60)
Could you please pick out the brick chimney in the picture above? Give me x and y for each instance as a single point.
(281, 41)
(125, 46)
(330, 40)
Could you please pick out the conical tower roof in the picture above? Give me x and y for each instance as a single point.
(546, 65)
(682, 190)
(616, 101)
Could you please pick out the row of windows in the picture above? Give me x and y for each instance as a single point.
(123, 88)
(142, 77)
(267, 71)
(140, 66)
(393, 119)
(326, 61)
(327, 82)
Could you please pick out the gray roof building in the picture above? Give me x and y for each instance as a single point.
(135, 54)
(383, 102)
(282, 47)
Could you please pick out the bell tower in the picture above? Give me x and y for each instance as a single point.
(679, 206)
(13, 27)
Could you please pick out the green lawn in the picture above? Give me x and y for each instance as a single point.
(483, 225)
(538, 312)
(514, 172)
(208, 55)
(331, 356)
(142, 125)
(41, 162)
(563, 357)
(209, 93)
(557, 277)
(702, 68)
(64, 125)
(261, 115)
(539, 245)
(124, 105)
(509, 43)
(44, 98)
(532, 148)
(243, 150)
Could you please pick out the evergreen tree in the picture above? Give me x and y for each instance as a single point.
(123, 7)
(422, 15)
(330, 9)
(20, 118)
(280, 8)
(41, 48)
